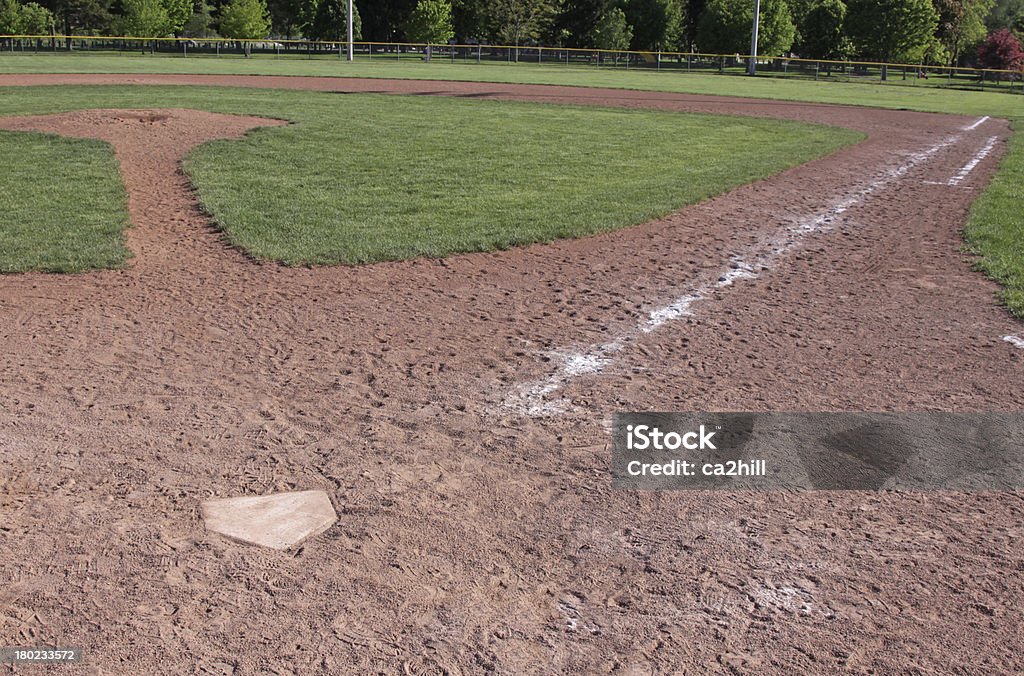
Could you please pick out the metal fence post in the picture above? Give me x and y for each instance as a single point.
(478, 50)
(540, 52)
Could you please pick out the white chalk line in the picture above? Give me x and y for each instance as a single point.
(1016, 341)
(977, 123)
(975, 161)
(531, 399)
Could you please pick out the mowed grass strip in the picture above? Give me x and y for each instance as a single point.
(365, 178)
(995, 229)
(63, 206)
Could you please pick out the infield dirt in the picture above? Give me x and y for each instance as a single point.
(472, 535)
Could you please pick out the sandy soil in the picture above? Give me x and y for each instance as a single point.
(474, 536)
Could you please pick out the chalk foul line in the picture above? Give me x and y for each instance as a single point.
(975, 161)
(534, 399)
(977, 123)
(1016, 341)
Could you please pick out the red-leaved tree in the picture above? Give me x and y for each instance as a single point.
(1001, 51)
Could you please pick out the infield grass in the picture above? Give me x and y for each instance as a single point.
(63, 207)
(365, 178)
(996, 227)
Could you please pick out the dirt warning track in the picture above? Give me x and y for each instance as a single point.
(454, 410)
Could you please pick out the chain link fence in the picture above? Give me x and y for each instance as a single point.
(678, 62)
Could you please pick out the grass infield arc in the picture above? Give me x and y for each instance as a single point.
(369, 177)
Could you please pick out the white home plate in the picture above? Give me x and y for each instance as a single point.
(279, 521)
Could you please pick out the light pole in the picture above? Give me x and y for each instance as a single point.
(350, 30)
(752, 65)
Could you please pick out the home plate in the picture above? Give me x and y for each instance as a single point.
(278, 521)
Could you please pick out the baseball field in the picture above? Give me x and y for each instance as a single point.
(425, 291)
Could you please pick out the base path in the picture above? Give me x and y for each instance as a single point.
(455, 412)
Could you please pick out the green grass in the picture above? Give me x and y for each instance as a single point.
(363, 178)
(995, 229)
(996, 223)
(62, 205)
(893, 95)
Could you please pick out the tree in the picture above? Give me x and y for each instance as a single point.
(178, 14)
(961, 24)
(74, 16)
(514, 22)
(1001, 51)
(725, 27)
(144, 19)
(891, 30)
(469, 20)
(328, 20)
(245, 20)
(657, 24)
(382, 21)
(612, 32)
(36, 19)
(200, 24)
(430, 22)
(1004, 14)
(822, 31)
(10, 17)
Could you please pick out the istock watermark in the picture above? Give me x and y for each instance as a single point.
(818, 451)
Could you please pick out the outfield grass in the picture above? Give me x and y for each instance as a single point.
(63, 207)
(995, 229)
(364, 178)
(877, 94)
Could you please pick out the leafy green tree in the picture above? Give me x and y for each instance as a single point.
(36, 19)
(178, 14)
(725, 27)
(576, 20)
(144, 19)
(694, 10)
(382, 21)
(245, 20)
(514, 22)
(961, 24)
(822, 31)
(891, 30)
(200, 24)
(469, 20)
(10, 17)
(1005, 14)
(430, 22)
(612, 31)
(78, 16)
(328, 20)
(285, 17)
(657, 24)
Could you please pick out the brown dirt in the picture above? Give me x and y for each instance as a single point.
(473, 537)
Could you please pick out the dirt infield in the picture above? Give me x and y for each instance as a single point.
(479, 530)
